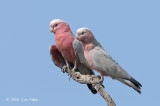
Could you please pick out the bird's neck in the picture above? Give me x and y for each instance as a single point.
(88, 46)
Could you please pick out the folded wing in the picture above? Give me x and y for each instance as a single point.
(104, 62)
(57, 57)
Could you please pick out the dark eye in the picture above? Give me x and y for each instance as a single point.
(82, 33)
(56, 25)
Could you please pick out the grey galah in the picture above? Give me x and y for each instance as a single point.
(98, 59)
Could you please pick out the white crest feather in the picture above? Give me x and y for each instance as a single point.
(82, 29)
(56, 21)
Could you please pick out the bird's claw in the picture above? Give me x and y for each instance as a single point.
(101, 79)
(69, 77)
(64, 69)
(71, 72)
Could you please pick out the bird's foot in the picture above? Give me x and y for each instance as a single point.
(101, 79)
(71, 72)
(64, 69)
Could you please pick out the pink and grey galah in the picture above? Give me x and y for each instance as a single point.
(100, 60)
(63, 54)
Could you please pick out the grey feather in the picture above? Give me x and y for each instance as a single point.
(79, 51)
(104, 62)
(130, 84)
(83, 66)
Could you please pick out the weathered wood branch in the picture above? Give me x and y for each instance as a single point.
(96, 81)
(86, 79)
(104, 94)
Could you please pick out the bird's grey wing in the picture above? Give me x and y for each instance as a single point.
(104, 62)
(56, 56)
(83, 67)
(79, 51)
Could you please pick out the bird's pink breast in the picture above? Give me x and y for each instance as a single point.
(64, 45)
(87, 50)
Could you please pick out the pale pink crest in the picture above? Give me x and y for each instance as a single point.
(82, 29)
(56, 21)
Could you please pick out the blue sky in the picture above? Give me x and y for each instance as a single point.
(128, 30)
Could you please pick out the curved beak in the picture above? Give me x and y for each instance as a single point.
(51, 29)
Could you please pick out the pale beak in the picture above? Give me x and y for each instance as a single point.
(76, 36)
(51, 29)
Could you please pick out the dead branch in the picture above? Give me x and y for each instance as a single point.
(96, 81)
(104, 94)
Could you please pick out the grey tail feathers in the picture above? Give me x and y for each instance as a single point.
(132, 83)
(136, 83)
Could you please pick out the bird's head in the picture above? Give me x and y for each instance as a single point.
(84, 35)
(58, 25)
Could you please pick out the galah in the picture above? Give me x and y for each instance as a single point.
(64, 49)
(101, 61)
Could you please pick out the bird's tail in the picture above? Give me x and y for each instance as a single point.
(83, 69)
(91, 87)
(131, 83)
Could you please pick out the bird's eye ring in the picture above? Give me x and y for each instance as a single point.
(56, 25)
(82, 33)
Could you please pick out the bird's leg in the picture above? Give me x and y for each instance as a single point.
(74, 68)
(66, 68)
